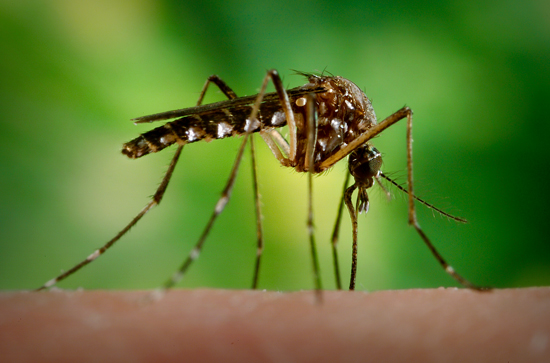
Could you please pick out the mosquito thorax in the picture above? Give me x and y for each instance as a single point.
(344, 113)
(364, 164)
(344, 101)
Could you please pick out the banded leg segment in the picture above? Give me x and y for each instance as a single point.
(257, 202)
(154, 201)
(220, 206)
(353, 215)
(414, 221)
(335, 234)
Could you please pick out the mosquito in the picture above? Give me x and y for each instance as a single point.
(328, 119)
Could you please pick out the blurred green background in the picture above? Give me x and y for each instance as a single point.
(73, 73)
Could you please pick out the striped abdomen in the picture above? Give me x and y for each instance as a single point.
(216, 124)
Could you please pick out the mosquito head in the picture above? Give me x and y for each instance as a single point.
(364, 165)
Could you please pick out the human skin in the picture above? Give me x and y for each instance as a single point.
(431, 325)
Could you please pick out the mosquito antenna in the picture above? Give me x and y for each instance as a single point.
(383, 187)
(458, 219)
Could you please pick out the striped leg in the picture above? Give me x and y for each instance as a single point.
(157, 197)
(259, 232)
(413, 221)
(154, 201)
(220, 205)
(336, 233)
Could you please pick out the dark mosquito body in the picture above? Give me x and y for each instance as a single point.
(328, 119)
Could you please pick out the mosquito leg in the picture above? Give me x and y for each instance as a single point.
(414, 222)
(281, 141)
(366, 136)
(154, 201)
(353, 216)
(227, 91)
(311, 232)
(369, 134)
(335, 234)
(266, 136)
(277, 144)
(259, 232)
(285, 104)
(271, 139)
(309, 164)
(220, 205)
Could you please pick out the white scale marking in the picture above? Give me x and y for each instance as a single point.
(93, 256)
(221, 204)
(251, 125)
(50, 283)
(278, 118)
(194, 254)
(224, 129)
(192, 134)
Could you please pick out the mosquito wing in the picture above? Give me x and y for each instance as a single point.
(237, 103)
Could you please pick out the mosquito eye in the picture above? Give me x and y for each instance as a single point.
(365, 164)
(367, 169)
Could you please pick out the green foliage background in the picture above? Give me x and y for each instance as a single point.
(73, 73)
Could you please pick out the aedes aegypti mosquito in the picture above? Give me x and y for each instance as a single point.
(328, 119)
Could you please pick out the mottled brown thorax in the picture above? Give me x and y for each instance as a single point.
(343, 113)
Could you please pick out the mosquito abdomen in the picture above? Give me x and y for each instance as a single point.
(216, 124)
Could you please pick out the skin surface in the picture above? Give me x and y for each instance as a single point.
(441, 325)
